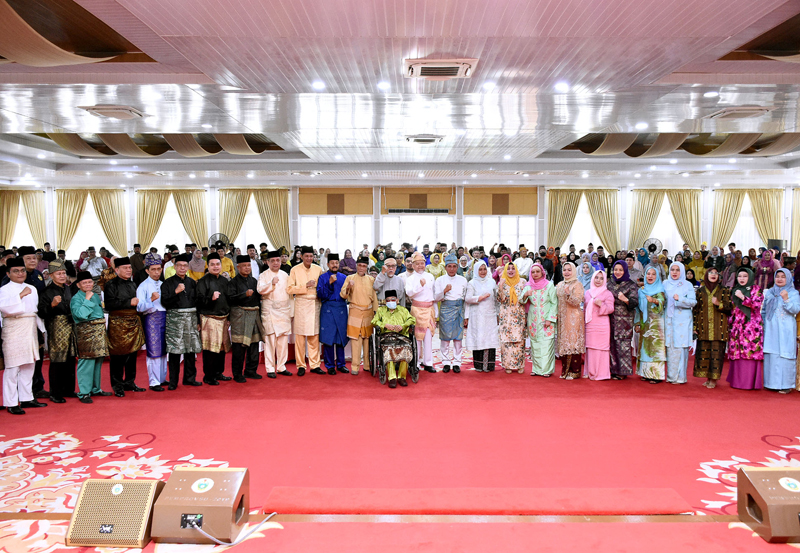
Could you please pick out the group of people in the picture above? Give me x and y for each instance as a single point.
(596, 316)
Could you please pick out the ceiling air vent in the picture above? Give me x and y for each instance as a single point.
(439, 70)
(424, 138)
(742, 112)
(113, 112)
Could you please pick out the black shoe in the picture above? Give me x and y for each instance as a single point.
(393, 383)
(41, 394)
(286, 372)
(55, 399)
(239, 379)
(102, 393)
(157, 388)
(118, 393)
(402, 382)
(456, 369)
(332, 372)
(344, 370)
(317, 371)
(32, 403)
(446, 369)
(254, 376)
(134, 388)
(301, 371)
(172, 387)
(616, 377)
(16, 410)
(490, 369)
(429, 369)
(192, 383)
(87, 399)
(164, 384)
(210, 382)
(224, 378)
(271, 375)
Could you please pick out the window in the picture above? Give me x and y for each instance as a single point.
(406, 228)
(89, 233)
(337, 232)
(252, 230)
(511, 230)
(22, 232)
(666, 230)
(170, 232)
(582, 231)
(745, 235)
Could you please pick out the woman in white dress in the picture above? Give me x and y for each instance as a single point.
(481, 318)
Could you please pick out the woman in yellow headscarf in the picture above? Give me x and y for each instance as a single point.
(510, 292)
(696, 265)
(435, 268)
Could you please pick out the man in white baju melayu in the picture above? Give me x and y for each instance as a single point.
(276, 315)
(419, 287)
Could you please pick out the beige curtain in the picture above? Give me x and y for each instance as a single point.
(647, 205)
(685, 206)
(273, 207)
(605, 217)
(727, 209)
(768, 212)
(33, 202)
(562, 206)
(109, 206)
(191, 206)
(9, 211)
(70, 205)
(232, 209)
(150, 208)
(795, 245)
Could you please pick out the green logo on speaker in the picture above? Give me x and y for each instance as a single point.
(202, 485)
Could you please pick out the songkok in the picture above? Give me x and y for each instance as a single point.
(630, 256)
(57, 265)
(283, 250)
(83, 275)
(15, 262)
(6, 253)
(49, 256)
(187, 245)
(451, 259)
(306, 249)
(333, 257)
(251, 246)
(26, 250)
(149, 260)
(390, 294)
(417, 257)
(273, 254)
(242, 259)
(90, 249)
(364, 260)
(264, 255)
(185, 257)
(61, 251)
(122, 261)
(39, 250)
(135, 246)
(212, 257)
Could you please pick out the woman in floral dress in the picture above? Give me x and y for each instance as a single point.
(570, 343)
(542, 316)
(652, 362)
(626, 300)
(512, 319)
(745, 346)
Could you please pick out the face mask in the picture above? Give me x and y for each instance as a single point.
(391, 304)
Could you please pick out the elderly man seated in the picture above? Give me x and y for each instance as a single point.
(393, 322)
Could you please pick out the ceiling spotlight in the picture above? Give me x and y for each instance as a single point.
(206, 125)
(421, 175)
(526, 175)
(205, 186)
(474, 175)
(40, 156)
(732, 160)
(673, 161)
(506, 157)
(318, 85)
(585, 175)
(383, 85)
(488, 86)
(709, 166)
(637, 175)
(191, 176)
(653, 167)
(716, 184)
(128, 175)
(338, 156)
(27, 175)
(37, 185)
(630, 184)
(364, 175)
(641, 125)
(710, 94)
(684, 174)
(561, 87)
(250, 175)
(122, 186)
(312, 175)
(113, 162)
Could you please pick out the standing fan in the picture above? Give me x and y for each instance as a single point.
(219, 237)
(653, 245)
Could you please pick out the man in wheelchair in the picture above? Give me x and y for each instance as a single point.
(392, 323)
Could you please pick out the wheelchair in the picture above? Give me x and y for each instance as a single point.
(376, 356)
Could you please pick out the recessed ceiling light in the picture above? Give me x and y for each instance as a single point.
(364, 175)
(561, 182)
(585, 176)
(128, 175)
(684, 174)
(641, 125)
(273, 182)
(488, 86)
(526, 175)
(732, 160)
(122, 186)
(191, 176)
(716, 184)
(506, 157)
(113, 162)
(312, 175)
(709, 166)
(206, 125)
(561, 87)
(37, 185)
(710, 94)
(637, 175)
(383, 85)
(338, 156)
(205, 186)
(318, 85)
(630, 184)
(135, 166)
(421, 175)
(474, 175)
(250, 175)
(673, 161)
(27, 175)
(653, 167)
(40, 156)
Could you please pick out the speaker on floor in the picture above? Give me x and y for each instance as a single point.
(769, 502)
(782, 245)
(113, 513)
(215, 499)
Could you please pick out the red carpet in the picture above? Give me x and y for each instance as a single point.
(476, 501)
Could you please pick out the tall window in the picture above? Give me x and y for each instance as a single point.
(171, 231)
(337, 232)
(666, 230)
(89, 233)
(582, 231)
(406, 228)
(252, 229)
(22, 232)
(745, 235)
(511, 230)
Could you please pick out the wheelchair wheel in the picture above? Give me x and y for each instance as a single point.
(413, 367)
(413, 372)
(372, 355)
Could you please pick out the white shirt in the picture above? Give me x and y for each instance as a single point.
(458, 287)
(144, 292)
(255, 268)
(94, 265)
(523, 265)
(10, 303)
(417, 291)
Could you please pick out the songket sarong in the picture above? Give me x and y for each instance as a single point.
(61, 339)
(451, 320)
(154, 335)
(396, 348)
(182, 335)
(92, 339)
(214, 333)
(245, 323)
(423, 313)
(359, 321)
(20, 340)
(125, 333)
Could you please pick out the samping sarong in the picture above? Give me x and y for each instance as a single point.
(245, 322)
(182, 335)
(154, 335)
(423, 313)
(125, 333)
(92, 339)
(20, 340)
(396, 348)
(61, 339)
(451, 320)
(214, 335)
(359, 321)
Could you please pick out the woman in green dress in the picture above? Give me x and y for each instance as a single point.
(652, 362)
(540, 295)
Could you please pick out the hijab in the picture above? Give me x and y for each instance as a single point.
(642, 257)
(574, 273)
(540, 284)
(772, 296)
(551, 255)
(595, 291)
(747, 290)
(512, 282)
(746, 263)
(649, 290)
(693, 280)
(197, 264)
(492, 266)
(438, 258)
(349, 261)
(585, 278)
(680, 286)
(485, 285)
(596, 265)
(626, 276)
(766, 261)
(711, 286)
(381, 260)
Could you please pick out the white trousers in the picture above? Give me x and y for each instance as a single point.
(157, 370)
(17, 384)
(447, 359)
(276, 352)
(425, 349)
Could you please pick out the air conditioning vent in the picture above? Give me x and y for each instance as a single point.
(419, 211)
(113, 111)
(440, 70)
(742, 112)
(424, 138)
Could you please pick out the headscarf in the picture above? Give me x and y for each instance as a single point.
(512, 282)
(551, 255)
(540, 284)
(504, 263)
(626, 275)
(489, 264)
(585, 278)
(711, 286)
(349, 262)
(574, 272)
(649, 290)
(747, 290)
(642, 257)
(197, 264)
(680, 286)
(485, 285)
(746, 264)
(596, 265)
(595, 291)
(693, 281)
(438, 259)
(465, 260)
(766, 261)
(379, 263)
(772, 296)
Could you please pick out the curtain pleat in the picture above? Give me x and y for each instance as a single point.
(150, 208)
(109, 206)
(727, 209)
(232, 210)
(9, 211)
(191, 205)
(273, 207)
(767, 212)
(644, 214)
(562, 206)
(70, 205)
(795, 245)
(605, 216)
(33, 203)
(685, 206)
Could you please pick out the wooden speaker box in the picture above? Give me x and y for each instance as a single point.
(769, 502)
(113, 513)
(215, 499)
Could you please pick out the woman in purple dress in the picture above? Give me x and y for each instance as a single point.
(746, 338)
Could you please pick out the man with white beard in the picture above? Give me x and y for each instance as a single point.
(419, 287)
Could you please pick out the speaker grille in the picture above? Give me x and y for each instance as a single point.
(128, 512)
